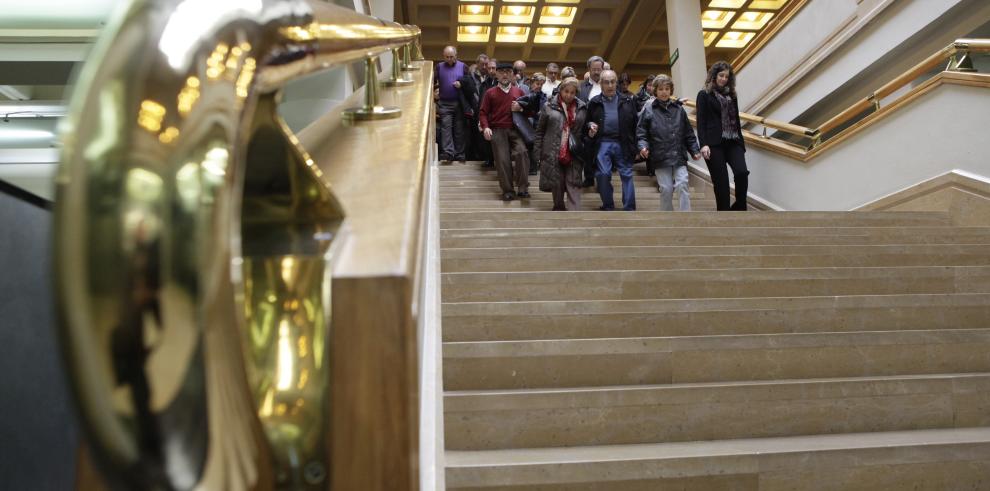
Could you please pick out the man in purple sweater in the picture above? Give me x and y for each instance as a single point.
(453, 128)
(508, 146)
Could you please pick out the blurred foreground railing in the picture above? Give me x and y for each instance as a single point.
(229, 319)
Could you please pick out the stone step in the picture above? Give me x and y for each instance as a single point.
(659, 229)
(491, 365)
(610, 258)
(447, 198)
(546, 205)
(449, 190)
(707, 236)
(922, 459)
(488, 420)
(493, 321)
(447, 181)
(711, 283)
(594, 218)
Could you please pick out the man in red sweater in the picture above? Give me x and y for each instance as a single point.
(508, 146)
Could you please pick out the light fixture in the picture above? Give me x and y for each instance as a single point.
(735, 39)
(512, 34)
(550, 35)
(473, 34)
(558, 16)
(516, 14)
(715, 19)
(767, 4)
(480, 14)
(726, 4)
(752, 20)
(710, 37)
(32, 109)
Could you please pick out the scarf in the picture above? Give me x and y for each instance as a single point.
(730, 130)
(564, 154)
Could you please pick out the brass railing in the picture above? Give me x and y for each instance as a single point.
(959, 61)
(198, 247)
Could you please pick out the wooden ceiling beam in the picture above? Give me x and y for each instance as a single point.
(634, 29)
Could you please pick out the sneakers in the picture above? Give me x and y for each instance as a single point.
(508, 197)
(523, 195)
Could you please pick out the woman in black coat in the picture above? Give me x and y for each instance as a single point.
(720, 135)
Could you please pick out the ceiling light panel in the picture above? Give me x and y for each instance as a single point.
(767, 4)
(516, 14)
(475, 14)
(473, 34)
(512, 34)
(557, 15)
(752, 20)
(550, 35)
(735, 39)
(710, 37)
(726, 4)
(715, 19)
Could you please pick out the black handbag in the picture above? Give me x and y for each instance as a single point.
(525, 128)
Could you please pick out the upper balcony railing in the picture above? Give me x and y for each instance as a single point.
(229, 319)
(958, 69)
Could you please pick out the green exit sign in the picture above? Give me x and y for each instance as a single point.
(673, 57)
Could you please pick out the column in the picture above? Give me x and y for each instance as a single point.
(684, 34)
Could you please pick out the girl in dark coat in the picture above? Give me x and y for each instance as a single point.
(720, 134)
(665, 137)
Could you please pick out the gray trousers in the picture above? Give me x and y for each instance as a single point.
(453, 130)
(568, 173)
(508, 148)
(670, 179)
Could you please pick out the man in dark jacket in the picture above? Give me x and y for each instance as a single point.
(530, 106)
(611, 127)
(468, 95)
(592, 87)
(484, 148)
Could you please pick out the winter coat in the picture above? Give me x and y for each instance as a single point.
(709, 118)
(468, 95)
(667, 133)
(627, 124)
(547, 143)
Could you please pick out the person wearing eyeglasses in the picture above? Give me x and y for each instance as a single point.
(553, 79)
(611, 127)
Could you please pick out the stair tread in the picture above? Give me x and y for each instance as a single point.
(696, 392)
(714, 448)
(619, 346)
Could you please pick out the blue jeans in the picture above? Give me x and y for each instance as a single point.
(610, 153)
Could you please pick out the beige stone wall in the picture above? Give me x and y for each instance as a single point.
(964, 195)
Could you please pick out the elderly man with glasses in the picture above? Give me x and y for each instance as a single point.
(612, 119)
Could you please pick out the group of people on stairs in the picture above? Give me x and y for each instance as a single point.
(575, 133)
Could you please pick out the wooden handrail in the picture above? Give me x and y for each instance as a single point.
(769, 123)
(959, 46)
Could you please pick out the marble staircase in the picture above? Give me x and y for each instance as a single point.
(664, 350)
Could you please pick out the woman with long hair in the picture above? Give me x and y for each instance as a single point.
(560, 163)
(720, 135)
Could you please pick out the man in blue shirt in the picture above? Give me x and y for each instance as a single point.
(611, 129)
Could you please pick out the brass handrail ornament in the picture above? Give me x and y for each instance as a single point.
(193, 243)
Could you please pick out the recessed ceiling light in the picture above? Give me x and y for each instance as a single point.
(550, 35)
(726, 4)
(735, 39)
